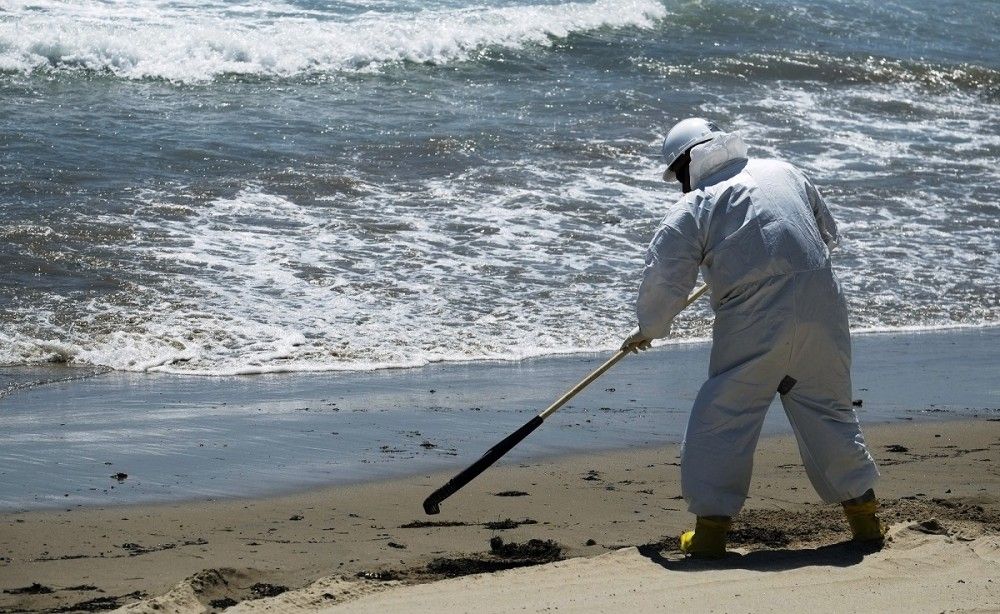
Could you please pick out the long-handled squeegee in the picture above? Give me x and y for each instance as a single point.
(432, 505)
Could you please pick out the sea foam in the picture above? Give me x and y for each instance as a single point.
(176, 42)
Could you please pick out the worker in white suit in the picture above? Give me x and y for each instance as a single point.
(761, 234)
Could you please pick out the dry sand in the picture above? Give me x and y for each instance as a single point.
(365, 547)
(923, 570)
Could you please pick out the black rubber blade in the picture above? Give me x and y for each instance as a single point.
(432, 505)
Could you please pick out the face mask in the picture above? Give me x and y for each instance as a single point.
(670, 175)
(684, 176)
(679, 172)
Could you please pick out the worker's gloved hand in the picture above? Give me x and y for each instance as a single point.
(637, 341)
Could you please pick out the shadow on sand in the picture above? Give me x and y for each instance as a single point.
(843, 554)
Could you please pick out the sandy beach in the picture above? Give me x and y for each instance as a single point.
(273, 271)
(369, 547)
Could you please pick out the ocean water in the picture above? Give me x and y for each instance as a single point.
(253, 186)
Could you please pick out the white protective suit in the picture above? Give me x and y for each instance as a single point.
(761, 233)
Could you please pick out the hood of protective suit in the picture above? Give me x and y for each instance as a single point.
(711, 156)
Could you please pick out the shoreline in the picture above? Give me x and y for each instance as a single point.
(191, 438)
(15, 370)
(368, 533)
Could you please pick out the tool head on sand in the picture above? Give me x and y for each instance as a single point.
(432, 507)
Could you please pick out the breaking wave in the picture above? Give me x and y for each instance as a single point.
(162, 41)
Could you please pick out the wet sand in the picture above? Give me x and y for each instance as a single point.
(187, 438)
(359, 544)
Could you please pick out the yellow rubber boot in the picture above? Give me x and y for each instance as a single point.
(708, 540)
(865, 525)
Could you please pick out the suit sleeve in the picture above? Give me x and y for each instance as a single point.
(671, 271)
(824, 220)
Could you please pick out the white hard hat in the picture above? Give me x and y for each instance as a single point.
(686, 134)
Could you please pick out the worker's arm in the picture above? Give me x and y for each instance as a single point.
(671, 271)
(824, 221)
